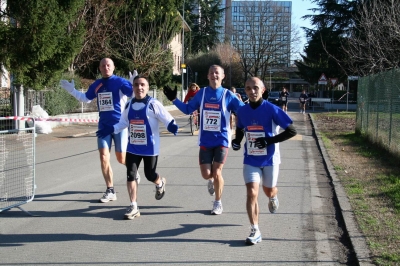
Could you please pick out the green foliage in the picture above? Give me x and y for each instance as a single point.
(204, 35)
(39, 39)
(58, 101)
(324, 52)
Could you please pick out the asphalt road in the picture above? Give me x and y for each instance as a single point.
(73, 228)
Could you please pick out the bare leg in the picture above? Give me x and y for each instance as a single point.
(120, 157)
(132, 190)
(270, 192)
(106, 166)
(252, 202)
(218, 180)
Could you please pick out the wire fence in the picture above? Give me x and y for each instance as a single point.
(378, 109)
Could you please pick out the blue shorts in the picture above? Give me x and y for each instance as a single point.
(120, 141)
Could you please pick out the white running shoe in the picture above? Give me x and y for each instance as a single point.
(132, 212)
(273, 204)
(210, 186)
(254, 237)
(108, 196)
(160, 191)
(217, 208)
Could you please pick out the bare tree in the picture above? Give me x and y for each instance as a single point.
(146, 43)
(262, 36)
(230, 61)
(100, 27)
(373, 44)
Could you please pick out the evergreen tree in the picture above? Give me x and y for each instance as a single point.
(203, 17)
(39, 38)
(324, 52)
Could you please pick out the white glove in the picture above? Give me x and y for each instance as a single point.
(132, 76)
(70, 87)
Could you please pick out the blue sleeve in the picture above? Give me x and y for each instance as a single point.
(90, 94)
(191, 106)
(281, 118)
(126, 87)
(233, 103)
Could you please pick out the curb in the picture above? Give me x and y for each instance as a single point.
(357, 238)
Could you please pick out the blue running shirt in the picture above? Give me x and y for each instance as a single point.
(263, 121)
(112, 94)
(215, 107)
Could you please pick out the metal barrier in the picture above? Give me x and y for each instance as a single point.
(17, 163)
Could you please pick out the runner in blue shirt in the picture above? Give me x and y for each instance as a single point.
(142, 116)
(111, 92)
(260, 122)
(216, 104)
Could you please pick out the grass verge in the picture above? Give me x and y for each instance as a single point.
(371, 178)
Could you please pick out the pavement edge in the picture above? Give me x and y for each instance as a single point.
(357, 238)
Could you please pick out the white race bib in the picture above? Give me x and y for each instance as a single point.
(137, 134)
(211, 120)
(251, 139)
(105, 101)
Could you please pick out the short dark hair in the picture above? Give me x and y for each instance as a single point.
(141, 76)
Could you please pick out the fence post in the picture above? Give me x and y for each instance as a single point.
(19, 105)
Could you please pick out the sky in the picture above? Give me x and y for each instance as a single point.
(299, 9)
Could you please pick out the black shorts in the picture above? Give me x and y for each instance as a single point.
(214, 154)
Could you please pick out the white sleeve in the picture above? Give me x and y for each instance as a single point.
(161, 113)
(123, 121)
(80, 96)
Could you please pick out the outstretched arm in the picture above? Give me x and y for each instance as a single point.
(70, 88)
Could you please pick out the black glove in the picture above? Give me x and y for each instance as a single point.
(170, 93)
(235, 145)
(261, 142)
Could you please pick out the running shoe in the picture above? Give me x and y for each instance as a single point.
(160, 191)
(217, 208)
(132, 212)
(254, 237)
(108, 196)
(210, 187)
(273, 204)
(138, 178)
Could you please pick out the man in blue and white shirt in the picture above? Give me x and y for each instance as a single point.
(141, 117)
(216, 104)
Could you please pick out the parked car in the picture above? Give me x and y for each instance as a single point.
(274, 98)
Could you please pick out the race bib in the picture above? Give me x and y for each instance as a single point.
(284, 99)
(105, 101)
(302, 100)
(212, 120)
(251, 148)
(137, 134)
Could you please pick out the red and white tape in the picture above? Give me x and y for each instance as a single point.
(52, 119)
